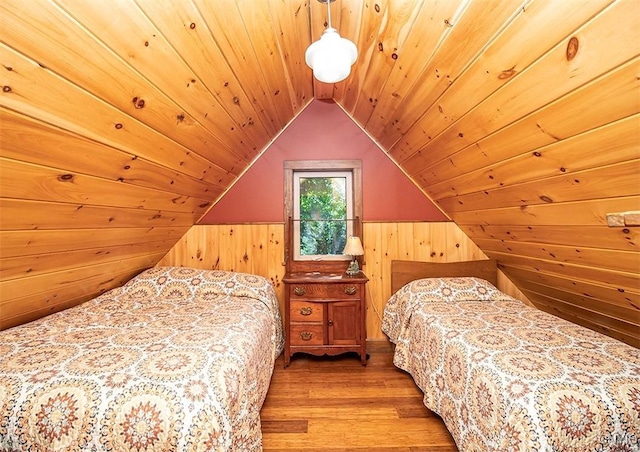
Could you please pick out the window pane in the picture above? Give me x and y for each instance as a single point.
(323, 215)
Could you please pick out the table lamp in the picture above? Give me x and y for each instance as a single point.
(353, 248)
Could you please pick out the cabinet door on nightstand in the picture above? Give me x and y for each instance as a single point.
(344, 322)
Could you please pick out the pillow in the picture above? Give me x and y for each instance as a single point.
(185, 282)
(454, 289)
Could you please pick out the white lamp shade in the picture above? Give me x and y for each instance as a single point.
(353, 247)
(331, 57)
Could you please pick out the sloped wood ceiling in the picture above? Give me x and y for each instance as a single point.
(123, 121)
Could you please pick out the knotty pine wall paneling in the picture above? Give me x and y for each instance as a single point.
(127, 120)
(101, 172)
(528, 154)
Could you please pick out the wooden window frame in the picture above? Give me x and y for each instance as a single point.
(291, 166)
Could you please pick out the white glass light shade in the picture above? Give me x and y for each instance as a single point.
(331, 57)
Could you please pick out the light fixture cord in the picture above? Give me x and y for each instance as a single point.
(329, 12)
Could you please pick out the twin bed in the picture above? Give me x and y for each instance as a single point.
(177, 359)
(180, 359)
(504, 376)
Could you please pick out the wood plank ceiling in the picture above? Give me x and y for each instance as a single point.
(123, 121)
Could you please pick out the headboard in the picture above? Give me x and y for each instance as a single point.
(403, 272)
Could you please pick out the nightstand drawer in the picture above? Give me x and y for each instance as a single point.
(305, 311)
(307, 291)
(307, 334)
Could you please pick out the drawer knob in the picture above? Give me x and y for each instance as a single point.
(306, 310)
(330, 322)
(306, 335)
(351, 290)
(299, 291)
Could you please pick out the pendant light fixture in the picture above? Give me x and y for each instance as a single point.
(331, 56)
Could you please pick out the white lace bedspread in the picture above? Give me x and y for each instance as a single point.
(507, 377)
(177, 359)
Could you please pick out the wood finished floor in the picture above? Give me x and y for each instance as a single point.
(336, 404)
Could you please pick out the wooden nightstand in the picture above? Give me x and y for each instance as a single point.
(325, 314)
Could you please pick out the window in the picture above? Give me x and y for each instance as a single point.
(322, 208)
(323, 205)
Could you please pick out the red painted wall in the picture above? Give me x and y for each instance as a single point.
(323, 132)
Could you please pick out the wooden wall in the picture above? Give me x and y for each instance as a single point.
(259, 248)
(522, 123)
(528, 151)
(107, 156)
(123, 121)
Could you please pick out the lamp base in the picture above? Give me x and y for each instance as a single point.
(353, 268)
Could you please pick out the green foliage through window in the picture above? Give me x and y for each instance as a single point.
(323, 215)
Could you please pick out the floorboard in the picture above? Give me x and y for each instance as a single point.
(336, 404)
